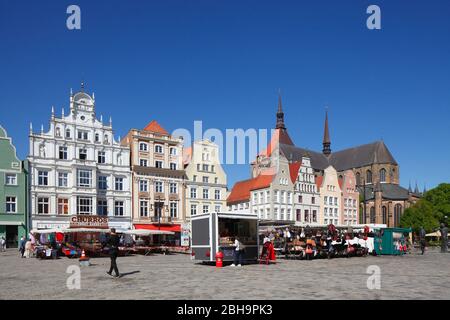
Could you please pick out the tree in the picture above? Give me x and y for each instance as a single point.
(430, 210)
(420, 215)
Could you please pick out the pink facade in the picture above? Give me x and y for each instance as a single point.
(350, 198)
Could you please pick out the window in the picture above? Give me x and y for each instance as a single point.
(205, 167)
(101, 157)
(384, 213)
(143, 208)
(173, 151)
(193, 193)
(205, 209)
(102, 207)
(83, 154)
(369, 176)
(63, 206)
(143, 163)
(173, 210)
(173, 166)
(313, 200)
(372, 215)
(63, 179)
(84, 205)
(217, 194)
(218, 208)
(118, 208)
(276, 196)
(194, 178)
(314, 215)
(325, 200)
(300, 199)
(158, 148)
(307, 216)
(193, 209)
(158, 164)
(43, 206)
(397, 214)
(63, 153)
(335, 201)
(158, 186)
(205, 194)
(383, 175)
(212, 169)
(299, 214)
(97, 137)
(43, 178)
(83, 135)
(68, 133)
(84, 178)
(11, 205)
(205, 179)
(358, 179)
(216, 180)
(173, 187)
(102, 182)
(143, 186)
(143, 146)
(10, 179)
(119, 184)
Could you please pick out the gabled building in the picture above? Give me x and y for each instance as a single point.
(206, 185)
(158, 178)
(77, 168)
(350, 199)
(14, 219)
(331, 195)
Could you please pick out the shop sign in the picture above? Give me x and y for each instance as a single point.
(89, 222)
(185, 234)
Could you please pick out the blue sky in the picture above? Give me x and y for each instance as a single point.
(222, 62)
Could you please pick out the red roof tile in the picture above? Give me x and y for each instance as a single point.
(293, 170)
(241, 190)
(319, 180)
(156, 127)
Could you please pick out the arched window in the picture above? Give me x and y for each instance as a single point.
(384, 212)
(369, 176)
(398, 210)
(358, 179)
(372, 215)
(383, 175)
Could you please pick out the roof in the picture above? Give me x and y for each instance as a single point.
(319, 180)
(360, 156)
(279, 136)
(154, 126)
(389, 191)
(293, 170)
(241, 190)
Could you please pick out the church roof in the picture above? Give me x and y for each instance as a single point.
(389, 191)
(355, 157)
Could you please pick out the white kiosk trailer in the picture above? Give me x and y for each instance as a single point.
(216, 231)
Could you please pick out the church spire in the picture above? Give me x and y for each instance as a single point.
(280, 115)
(326, 137)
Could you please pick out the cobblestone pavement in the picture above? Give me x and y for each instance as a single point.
(177, 277)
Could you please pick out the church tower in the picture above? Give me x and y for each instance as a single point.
(326, 137)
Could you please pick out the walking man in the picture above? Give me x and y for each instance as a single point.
(2, 244)
(422, 235)
(22, 247)
(444, 238)
(113, 243)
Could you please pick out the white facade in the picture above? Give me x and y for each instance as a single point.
(307, 196)
(331, 197)
(206, 188)
(78, 168)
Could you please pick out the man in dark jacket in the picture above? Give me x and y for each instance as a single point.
(422, 235)
(444, 238)
(113, 243)
(22, 246)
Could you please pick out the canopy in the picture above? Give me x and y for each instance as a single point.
(85, 230)
(171, 227)
(145, 233)
(46, 231)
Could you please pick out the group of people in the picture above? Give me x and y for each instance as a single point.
(443, 229)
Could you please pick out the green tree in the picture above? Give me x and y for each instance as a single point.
(439, 197)
(420, 215)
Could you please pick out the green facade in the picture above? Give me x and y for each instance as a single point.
(13, 225)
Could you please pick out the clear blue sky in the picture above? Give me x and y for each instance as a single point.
(222, 61)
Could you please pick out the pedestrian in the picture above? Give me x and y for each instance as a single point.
(444, 238)
(2, 244)
(22, 246)
(238, 250)
(113, 243)
(422, 235)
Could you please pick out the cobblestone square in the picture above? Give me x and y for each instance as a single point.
(178, 277)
